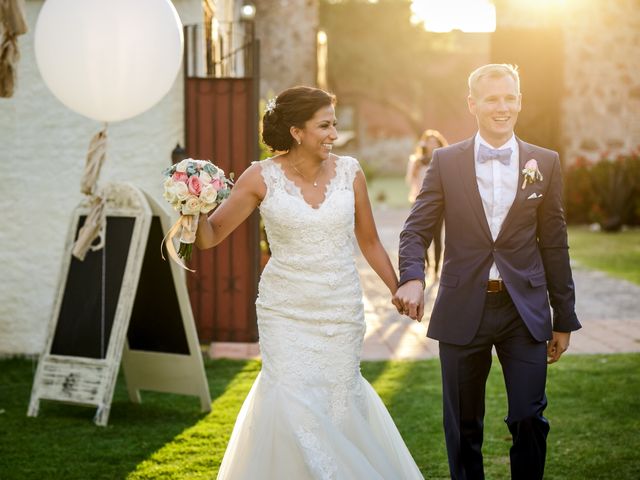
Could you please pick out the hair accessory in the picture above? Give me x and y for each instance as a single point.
(271, 105)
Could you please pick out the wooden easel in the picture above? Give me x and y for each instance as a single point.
(123, 302)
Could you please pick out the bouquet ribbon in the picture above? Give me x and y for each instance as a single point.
(187, 225)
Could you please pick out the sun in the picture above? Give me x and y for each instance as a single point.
(447, 15)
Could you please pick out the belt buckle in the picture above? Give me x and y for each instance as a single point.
(495, 286)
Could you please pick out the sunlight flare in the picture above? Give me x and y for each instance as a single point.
(447, 15)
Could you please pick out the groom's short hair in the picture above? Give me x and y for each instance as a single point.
(493, 70)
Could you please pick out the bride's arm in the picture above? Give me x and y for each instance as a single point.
(246, 195)
(367, 236)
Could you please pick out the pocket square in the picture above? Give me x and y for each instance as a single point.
(533, 196)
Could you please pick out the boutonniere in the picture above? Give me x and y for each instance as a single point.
(531, 172)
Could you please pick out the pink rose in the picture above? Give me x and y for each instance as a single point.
(194, 185)
(179, 177)
(217, 184)
(531, 173)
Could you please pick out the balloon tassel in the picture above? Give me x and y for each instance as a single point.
(96, 156)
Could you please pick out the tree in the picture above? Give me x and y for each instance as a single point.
(376, 53)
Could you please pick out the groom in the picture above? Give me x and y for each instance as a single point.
(506, 258)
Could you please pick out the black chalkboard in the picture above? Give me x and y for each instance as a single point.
(81, 361)
(156, 321)
(91, 292)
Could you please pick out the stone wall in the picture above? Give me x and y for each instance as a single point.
(287, 31)
(601, 97)
(42, 153)
(601, 108)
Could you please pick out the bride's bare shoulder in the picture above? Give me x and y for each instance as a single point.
(252, 179)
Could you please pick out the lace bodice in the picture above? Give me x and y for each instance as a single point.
(299, 233)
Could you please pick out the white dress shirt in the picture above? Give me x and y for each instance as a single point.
(498, 185)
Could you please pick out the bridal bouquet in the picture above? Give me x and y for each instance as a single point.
(192, 187)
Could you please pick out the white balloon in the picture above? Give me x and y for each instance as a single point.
(109, 59)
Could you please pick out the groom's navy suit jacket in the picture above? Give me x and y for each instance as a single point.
(531, 250)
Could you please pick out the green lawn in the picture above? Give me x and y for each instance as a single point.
(594, 410)
(618, 254)
(388, 190)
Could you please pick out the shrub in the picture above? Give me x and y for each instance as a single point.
(578, 192)
(370, 171)
(607, 192)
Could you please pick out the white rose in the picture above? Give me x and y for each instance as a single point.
(180, 190)
(204, 177)
(207, 207)
(208, 194)
(169, 194)
(191, 206)
(182, 166)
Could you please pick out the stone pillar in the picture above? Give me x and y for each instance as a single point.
(601, 107)
(287, 32)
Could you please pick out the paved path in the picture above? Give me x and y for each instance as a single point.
(609, 310)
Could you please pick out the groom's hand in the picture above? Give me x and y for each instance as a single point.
(410, 298)
(557, 346)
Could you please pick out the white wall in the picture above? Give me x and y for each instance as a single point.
(42, 153)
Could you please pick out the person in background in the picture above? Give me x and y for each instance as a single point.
(416, 170)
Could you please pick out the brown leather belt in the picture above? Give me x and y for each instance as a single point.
(496, 286)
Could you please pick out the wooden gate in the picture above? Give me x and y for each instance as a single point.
(221, 125)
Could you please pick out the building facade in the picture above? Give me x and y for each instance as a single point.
(42, 156)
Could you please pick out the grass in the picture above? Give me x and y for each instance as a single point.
(594, 410)
(617, 254)
(390, 191)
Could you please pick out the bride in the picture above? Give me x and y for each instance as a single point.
(310, 414)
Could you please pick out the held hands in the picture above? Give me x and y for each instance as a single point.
(557, 346)
(409, 299)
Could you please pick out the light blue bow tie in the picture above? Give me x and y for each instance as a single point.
(503, 155)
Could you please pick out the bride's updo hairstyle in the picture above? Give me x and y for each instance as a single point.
(291, 108)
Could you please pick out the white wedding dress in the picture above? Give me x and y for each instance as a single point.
(310, 414)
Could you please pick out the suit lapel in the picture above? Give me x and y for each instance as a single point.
(524, 154)
(466, 165)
